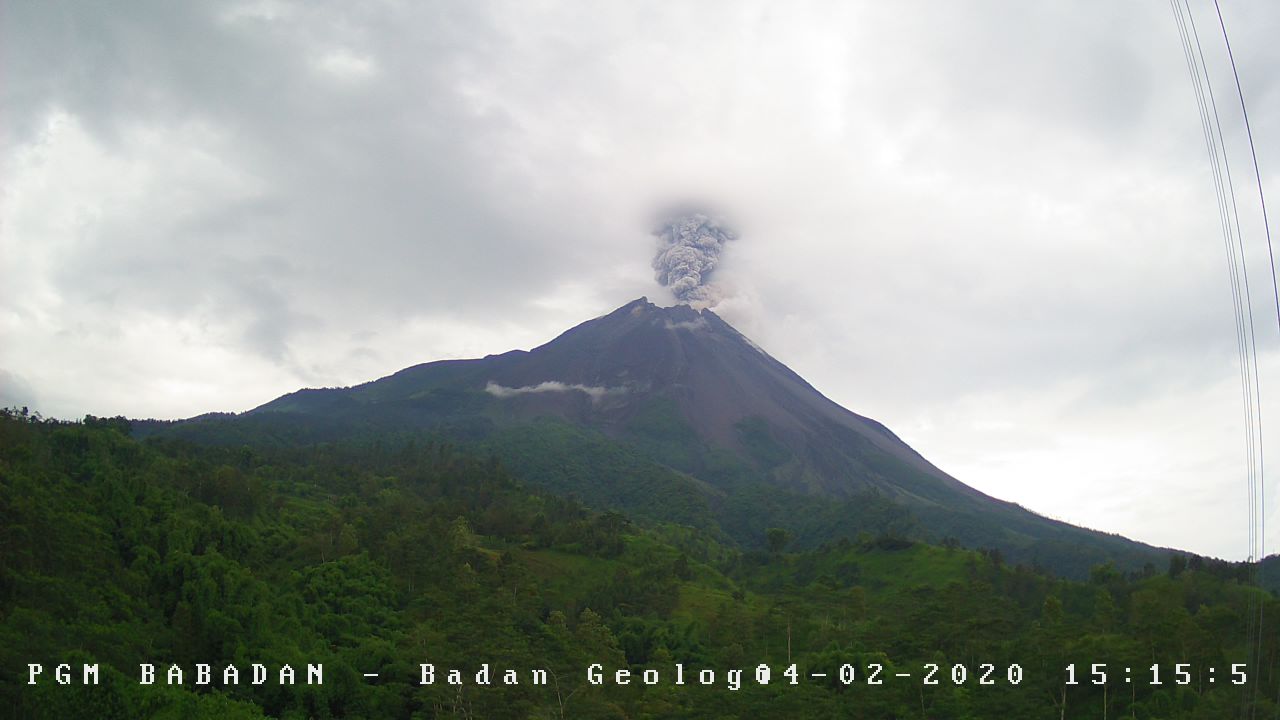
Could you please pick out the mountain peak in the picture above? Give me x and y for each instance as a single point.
(691, 393)
(641, 305)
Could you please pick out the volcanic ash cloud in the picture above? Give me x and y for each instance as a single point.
(689, 249)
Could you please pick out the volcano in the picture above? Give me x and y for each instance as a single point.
(670, 414)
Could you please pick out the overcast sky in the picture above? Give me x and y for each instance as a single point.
(990, 225)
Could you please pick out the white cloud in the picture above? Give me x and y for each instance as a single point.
(595, 392)
(697, 324)
(346, 65)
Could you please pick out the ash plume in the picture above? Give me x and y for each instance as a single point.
(689, 249)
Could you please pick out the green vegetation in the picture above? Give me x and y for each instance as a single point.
(570, 460)
(658, 469)
(378, 554)
(763, 448)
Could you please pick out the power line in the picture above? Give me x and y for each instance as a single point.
(1275, 290)
(1242, 304)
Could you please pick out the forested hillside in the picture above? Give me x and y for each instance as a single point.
(377, 555)
(674, 477)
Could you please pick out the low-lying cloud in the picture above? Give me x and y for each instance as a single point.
(595, 392)
(698, 324)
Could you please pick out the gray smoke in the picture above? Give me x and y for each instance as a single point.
(690, 245)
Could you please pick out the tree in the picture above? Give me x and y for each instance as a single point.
(1051, 611)
(777, 538)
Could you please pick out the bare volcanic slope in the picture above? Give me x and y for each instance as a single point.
(686, 391)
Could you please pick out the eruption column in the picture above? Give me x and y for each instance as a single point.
(689, 250)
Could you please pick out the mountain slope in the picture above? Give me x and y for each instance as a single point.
(672, 414)
(642, 369)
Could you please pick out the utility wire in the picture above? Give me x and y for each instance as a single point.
(1246, 339)
(1275, 290)
(1253, 153)
(1256, 548)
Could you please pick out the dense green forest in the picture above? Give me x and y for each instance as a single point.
(380, 554)
(666, 474)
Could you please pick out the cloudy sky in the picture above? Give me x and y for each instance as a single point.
(990, 225)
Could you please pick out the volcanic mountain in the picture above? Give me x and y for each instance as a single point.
(670, 414)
